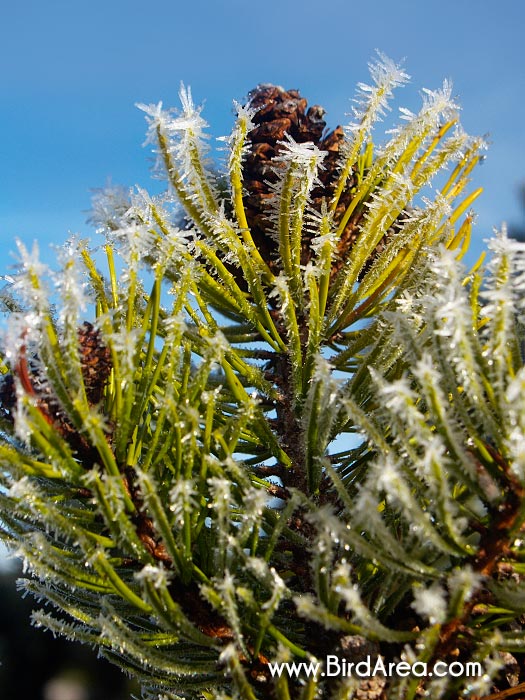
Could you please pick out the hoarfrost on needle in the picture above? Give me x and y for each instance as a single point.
(430, 603)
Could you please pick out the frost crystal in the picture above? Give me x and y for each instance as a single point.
(182, 499)
(305, 154)
(372, 100)
(125, 343)
(29, 283)
(73, 290)
(190, 120)
(158, 576)
(465, 580)
(430, 603)
(109, 206)
(156, 117)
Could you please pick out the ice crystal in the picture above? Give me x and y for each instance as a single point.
(29, 283)
(237, 138)
(464, 580)
(305, 155)
(190, 120)
(136, 242)
(71, 283)
(159, 576)
(372, 100)
(182, 499)
(156, 118)
(109, 207)
(125, 342)
(431, 603)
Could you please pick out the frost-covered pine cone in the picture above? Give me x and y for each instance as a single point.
(282, 114)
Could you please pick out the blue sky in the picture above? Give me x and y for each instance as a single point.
(72, 71)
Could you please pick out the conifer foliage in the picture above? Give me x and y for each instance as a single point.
(292, 427)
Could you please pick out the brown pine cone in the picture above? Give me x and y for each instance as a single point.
(95, 360)
(7, 396)
(280, 112)
(96, 366)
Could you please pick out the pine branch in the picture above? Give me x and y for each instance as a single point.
(293, 424)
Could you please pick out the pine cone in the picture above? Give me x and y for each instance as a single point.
(96, 362)
(281, 112)
(96, 368)
(7, 397)
(356, 649)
